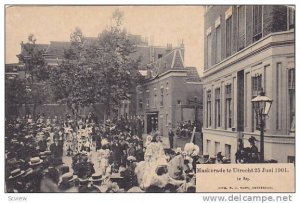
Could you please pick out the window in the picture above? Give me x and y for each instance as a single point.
(256, 88)
(167, 123)
(291, 159)
(207, 146)
(148, 98)
(217, 147)
(218, 44)
(209, 50)
(218, 107)
(141, 104)
(291, 86)
(228, 109)
(256, 84)
(291, 17)
(159, 56)
(257, 23)
(277, 101)
(228, 151)
(208, 108)
(179, 102)
(241, 28)
(161, 96)
(167, 88)
(228, 35)
(291, 78)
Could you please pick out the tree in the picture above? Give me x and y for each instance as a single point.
(73, 80)
(101, 71)
(36, 71)
(118, 69)
(14, 95)
(32, 57)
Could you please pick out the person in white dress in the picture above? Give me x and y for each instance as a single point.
(103, 157)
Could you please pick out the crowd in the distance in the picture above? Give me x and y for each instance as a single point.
(83, 155)
(184, 129)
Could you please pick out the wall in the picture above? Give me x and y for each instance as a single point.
(175, 88)
(275, 84)
(274, 20)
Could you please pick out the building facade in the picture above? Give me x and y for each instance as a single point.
(170, 93)
(248, 48)
(145, 52)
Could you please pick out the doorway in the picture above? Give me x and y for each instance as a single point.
(152, 122)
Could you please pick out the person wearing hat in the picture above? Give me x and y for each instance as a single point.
(129, 176)
(69, 143)
(14, 182)
(219, 157)
(171, 136)
(148, 140)
(96, 183)
(68, 182)
(56, 150)
(139, 154)
(49, 142)
(49, 182)
(124, 147)
(116, 154)
(84, 185)
(161, 180)
(36, 163)
(225, 160)
(131, 149)
(212, 159)
(254, 154)
(240, 150)
(85, 168)
(64, 169)
(176, 166)
(103, 156)
(178, 151)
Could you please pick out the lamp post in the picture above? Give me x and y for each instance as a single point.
(261, 105)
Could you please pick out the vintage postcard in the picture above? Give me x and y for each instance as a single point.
(141, 98)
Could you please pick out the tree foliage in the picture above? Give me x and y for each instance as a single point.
(29, 90)
(32, 57)
(97, 71)
(15, 90)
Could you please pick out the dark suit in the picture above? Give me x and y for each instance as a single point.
(56, 150)
(171, 138)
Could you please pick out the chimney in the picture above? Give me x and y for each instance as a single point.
(169, 48)
(182, 49)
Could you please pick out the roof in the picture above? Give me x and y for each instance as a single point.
(41, 47)
(146, 53)
(57, 48)
(172, 60)
(192, 75)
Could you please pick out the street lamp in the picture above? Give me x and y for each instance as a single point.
(261, 105)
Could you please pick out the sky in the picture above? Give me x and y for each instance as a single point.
(165, 24)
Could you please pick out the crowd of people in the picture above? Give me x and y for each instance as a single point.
(109, 156)
(185, 129)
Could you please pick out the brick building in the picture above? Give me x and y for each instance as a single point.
(248, 48)
(170, 93)
(148, 53)
(54, 53)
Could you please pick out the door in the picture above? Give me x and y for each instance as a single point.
(152, 122)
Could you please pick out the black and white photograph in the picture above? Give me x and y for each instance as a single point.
(149, 98)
